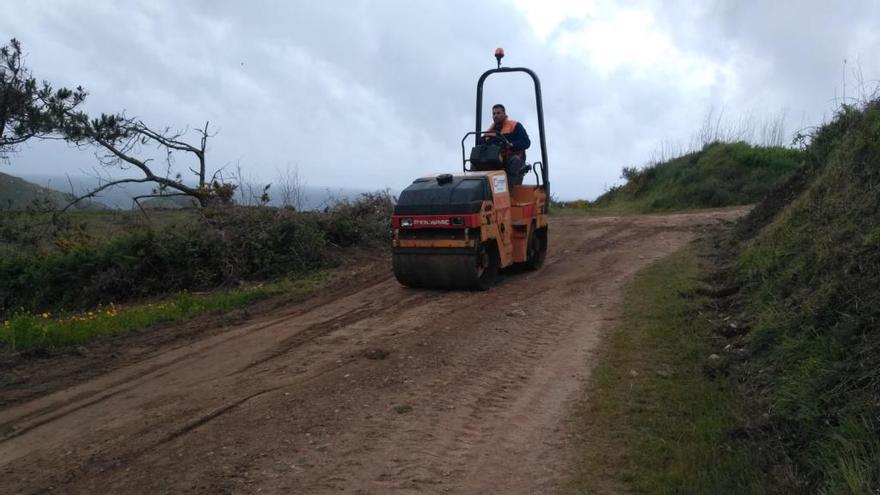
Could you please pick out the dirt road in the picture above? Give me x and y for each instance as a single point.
(373, 388)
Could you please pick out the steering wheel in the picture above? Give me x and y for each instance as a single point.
(497, 139)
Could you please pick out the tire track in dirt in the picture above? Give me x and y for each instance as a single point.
(323, 327)
(58, 410)
(472, 395)
(13, 393)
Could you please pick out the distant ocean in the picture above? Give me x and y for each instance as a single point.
(120, 197)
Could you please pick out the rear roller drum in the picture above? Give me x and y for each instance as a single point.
(537, 249)
(486, 269)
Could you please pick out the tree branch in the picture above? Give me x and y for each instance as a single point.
(94, 192)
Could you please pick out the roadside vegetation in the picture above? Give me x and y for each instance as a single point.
(61, 283)
(803, 270)
(26, 331)
(658, 414)
(755, 367)
(68, 275)
(720, 174)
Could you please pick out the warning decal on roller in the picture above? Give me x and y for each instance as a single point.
(499, 183)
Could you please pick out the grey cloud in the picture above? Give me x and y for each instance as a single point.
(373, 94)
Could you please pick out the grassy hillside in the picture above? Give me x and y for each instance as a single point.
(769, 348)
(18, 194)
(721, 174)
(806, 268)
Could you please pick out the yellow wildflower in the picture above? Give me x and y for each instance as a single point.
(45, 316)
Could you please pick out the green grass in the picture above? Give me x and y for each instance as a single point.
(657, 418)
(46, 331)
(809, 290)
(721, 174)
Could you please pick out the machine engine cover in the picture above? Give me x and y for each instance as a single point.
(426, 196)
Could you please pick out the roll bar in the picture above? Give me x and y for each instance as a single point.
(545, 171)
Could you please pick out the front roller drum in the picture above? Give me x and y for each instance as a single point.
(440, 268)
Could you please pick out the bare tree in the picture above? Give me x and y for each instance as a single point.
(290, 187)
(29, 109)
(121, 140)
(249, 192)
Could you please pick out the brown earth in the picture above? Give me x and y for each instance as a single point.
(369, 388)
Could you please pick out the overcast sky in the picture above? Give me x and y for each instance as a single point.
(372, 94)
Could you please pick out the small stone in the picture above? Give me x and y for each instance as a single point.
(714, 357)
(663, 374)
(633, 373)
(516, 313)
(376, 354)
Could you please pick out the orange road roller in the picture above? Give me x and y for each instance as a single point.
(458, 231)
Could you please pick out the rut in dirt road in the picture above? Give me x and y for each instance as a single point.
(380, 389)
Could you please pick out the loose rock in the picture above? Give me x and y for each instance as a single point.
(376, 354)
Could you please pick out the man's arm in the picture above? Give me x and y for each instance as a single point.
(519, 139)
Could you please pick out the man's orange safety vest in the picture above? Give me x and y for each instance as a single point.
(507, 127)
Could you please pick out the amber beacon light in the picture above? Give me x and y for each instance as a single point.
(499, 54)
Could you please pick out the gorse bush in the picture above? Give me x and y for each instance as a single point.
(721, 174)
(224, 246)
(351, 222)
(807, 266)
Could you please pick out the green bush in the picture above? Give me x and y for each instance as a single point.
(225, 245)
(352, 222)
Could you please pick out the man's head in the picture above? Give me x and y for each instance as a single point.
(499, 114)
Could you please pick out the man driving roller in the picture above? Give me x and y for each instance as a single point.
(515, 154)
